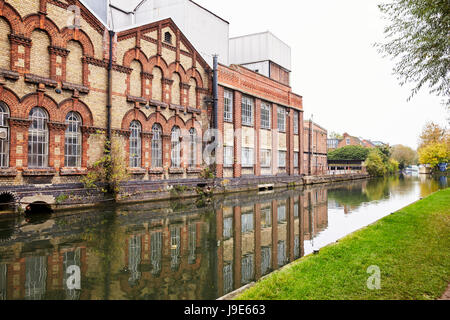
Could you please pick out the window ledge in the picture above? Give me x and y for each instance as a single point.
(140, 100)
(194, 170)
(73, 171)
(176, 170)
(8, 172)
(38, 172)
(156, 171)
(136, 170)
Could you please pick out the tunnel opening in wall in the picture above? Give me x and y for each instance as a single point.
(38, 208)
(7, 202)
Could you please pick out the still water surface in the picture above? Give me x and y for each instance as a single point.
(181, 250)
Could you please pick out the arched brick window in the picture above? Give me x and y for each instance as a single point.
(192, 148)
(72, 143)
(157, 146)
(38, 139)
(135, 144)
(4, 135)
(176, 148)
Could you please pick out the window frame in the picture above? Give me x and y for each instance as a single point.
(296, 159)
(226, 156)
(4, 144)
(248, 160)
(281, 125)
(74, 135)
(282, 152)
(192, 161)
(266, 108)
(38, 160)
(135, 153)
(268, 153)
(228, 105)
(247, 107)
(168, 37)
(175, 154)
(296, 122)
(157, 150)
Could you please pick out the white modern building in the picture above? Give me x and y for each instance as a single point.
(264, 53)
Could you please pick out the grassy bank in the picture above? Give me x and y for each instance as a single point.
(411, 248)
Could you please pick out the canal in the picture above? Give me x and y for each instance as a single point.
(187, 249)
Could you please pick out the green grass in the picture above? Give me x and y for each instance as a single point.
(411, 247)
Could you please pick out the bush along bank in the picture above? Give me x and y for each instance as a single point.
(379, 163)
(410, 249)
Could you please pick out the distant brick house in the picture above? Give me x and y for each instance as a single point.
(349, 140)
(315, 152)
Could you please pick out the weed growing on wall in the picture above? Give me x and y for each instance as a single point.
(107, 173)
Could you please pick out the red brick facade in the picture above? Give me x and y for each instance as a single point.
(239, 82)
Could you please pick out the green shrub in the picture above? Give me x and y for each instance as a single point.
(349, 153)
(374, 164)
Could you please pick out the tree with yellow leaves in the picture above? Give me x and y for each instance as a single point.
(434, 153)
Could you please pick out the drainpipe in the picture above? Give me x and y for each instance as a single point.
(109, 103)
(311, 141)
(215, 89)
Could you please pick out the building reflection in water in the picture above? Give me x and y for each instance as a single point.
(162, 253)
(264, 233)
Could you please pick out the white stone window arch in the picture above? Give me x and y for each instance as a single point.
(73, 141)
(176, 147)
(157, 146)
(38, 139)
(4, 139)
(135, 144)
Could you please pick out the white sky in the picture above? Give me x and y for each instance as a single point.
(344, 81)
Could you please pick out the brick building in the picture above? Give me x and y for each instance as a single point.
(266, 117)
(54, 95)
(67, 82)
(315, 152)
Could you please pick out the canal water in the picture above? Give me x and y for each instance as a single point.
(188, 249)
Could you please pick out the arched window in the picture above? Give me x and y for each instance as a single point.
(38, 139)
(72, 145)
(192, 148)
(157, 146)
(168, 38)
(4, 135)
(135, 144)
(176, 150)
